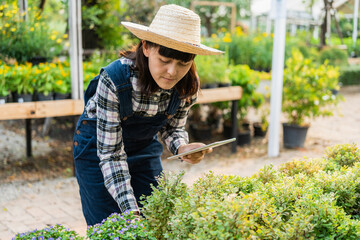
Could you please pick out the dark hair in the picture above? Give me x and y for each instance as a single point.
(186, 87)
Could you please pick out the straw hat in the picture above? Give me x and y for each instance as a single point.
(174, 27)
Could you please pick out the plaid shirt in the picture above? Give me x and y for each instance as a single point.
(104, 105)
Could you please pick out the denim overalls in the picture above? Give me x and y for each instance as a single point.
(141, 145)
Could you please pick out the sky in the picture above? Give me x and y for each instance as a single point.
(263, 6)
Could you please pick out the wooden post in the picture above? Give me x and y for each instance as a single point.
(216, 4)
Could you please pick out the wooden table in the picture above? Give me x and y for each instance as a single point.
(69, 107)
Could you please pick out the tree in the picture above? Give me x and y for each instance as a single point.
(328, 9)
(217, 17)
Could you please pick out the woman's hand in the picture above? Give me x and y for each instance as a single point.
(195, 157)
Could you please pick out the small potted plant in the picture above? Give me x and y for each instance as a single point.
(248, 80)
(44, 75)
(30, 39)
(21, 82)
(261, 127)
(307, 94)
(212, 70)
(62, 82)
(4, 88)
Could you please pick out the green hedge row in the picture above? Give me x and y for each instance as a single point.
(302, 199)
(350, 75)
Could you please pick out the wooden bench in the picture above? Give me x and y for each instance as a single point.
(69, 107)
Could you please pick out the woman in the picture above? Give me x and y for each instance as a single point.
(148, 90)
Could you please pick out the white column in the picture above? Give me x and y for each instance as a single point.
(277, 78)
(76, 50)
(293, 30)
(356, 14)
(23, 5)
(268, 24)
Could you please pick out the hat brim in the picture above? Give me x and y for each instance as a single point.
(144, 33)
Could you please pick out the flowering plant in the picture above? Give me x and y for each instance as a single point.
(4, 85)
(26, 36)
(308, 89)
(57, 232)
(120, 226)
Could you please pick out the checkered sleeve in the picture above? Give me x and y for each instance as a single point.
(111, 147)
(173, 134)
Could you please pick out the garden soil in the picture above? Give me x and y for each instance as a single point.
(50, 170)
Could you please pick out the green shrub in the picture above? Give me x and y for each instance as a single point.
(308, 199)
(350, 75)
(212, 69)
(307, 91)
(344, 154)
(335, 56)
(160, 206)
(306, 166)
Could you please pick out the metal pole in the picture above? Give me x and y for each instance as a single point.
(277, 78)
(234, 120)
(356, 14)
(76, 50)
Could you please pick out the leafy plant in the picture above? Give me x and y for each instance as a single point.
(21, 78)
(120, 226)
(53, 232)
(212, 69)
(248, 80)
(4, 85)
(160, 207)
(343, 155)
(307, 91)
(25, 39)
(335, 56)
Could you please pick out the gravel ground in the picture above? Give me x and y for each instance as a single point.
(341, 128)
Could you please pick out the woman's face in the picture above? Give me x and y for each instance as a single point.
(167, 72)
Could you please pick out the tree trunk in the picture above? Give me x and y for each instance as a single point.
(324, 26)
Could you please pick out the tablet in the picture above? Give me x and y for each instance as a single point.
(211, 145)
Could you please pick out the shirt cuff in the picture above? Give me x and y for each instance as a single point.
(177, 143)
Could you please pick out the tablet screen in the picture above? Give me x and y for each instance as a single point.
(211, 145)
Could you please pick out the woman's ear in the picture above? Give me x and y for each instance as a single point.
(145, 48)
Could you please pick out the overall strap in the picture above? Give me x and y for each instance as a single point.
(120, 75)
(174, 103)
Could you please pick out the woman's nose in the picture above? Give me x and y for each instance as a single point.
(172, 69)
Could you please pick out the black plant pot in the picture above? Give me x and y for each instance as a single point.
(37, 60)
(61, 96)
(294, 136)
(4, 99)
(244, 138)
(43, 97)
(227, 130)
(210, 85)
(258, 131)
(224, 84)
(200, 132)
(20, 98)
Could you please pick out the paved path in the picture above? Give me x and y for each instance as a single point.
(27, 206)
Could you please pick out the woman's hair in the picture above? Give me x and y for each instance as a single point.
(186, 87)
